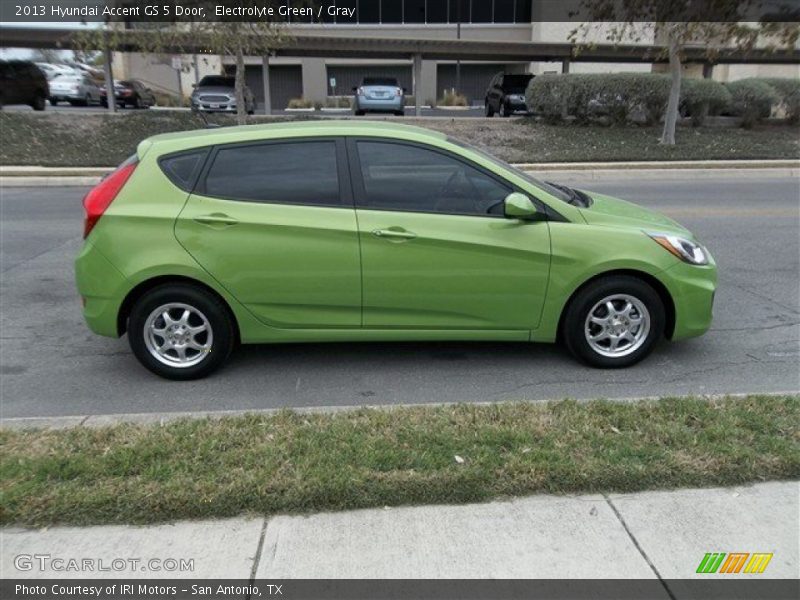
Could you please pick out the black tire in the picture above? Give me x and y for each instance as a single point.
(574, 324)
(205, 304)
(52, 101)
(137, 102)
(489, 109)
(360, 113)
(39, 102)
(504, 113)
(399, 113)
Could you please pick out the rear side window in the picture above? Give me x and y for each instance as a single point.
(284, 173)
(182, 169)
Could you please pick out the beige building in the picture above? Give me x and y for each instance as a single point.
(481, 20)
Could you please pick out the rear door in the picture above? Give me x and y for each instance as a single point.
(274, 223)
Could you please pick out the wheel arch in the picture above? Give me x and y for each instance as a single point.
(148, 284)
(652, 281)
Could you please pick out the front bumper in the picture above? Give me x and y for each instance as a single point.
(692, 289)
(66, 96)
(216, 108)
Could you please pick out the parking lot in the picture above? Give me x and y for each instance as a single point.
(52, 365)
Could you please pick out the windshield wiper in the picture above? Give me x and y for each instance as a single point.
(576, 197)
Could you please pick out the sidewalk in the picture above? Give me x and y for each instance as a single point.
(33, 176)
(624, 536)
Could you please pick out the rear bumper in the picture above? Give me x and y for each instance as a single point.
(101, 287)
(692, 290)
(387, 105)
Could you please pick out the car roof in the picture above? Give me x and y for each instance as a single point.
(180, 140)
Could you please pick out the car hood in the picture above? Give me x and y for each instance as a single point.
(606, 210)
(215, 89)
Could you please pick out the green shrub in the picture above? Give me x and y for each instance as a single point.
(587, 97)
(752, 100)
(788, 90)
(703, 97)
(300, 103)
(338, 102)
(452, 98)
(549, 95)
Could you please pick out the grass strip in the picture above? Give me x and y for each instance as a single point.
(99, 140)
(290, 462)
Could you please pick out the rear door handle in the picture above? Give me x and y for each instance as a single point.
(216, 219)
(394, 233)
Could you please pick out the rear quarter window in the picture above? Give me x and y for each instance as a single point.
(182, 169)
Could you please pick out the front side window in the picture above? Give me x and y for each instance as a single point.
(283, 173)
(403, 177)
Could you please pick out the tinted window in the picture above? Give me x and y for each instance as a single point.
(182, 168)
(390, 81)
(217, 81)
(409, 178)
(291, 173)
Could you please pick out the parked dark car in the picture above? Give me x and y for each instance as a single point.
(130, 92)
(22, 82)
(506, 94)
(217, 93)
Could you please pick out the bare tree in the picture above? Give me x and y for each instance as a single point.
(677, 24)
(239, 35)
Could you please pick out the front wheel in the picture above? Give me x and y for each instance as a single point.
(181, 332)
(489, 109)
(614, 322)
(38, 102)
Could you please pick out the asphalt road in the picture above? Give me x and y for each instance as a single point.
(51, 365)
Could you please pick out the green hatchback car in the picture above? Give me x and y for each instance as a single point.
(334, 231)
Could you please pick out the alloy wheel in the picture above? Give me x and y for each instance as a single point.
(178, 335)
(617, 325)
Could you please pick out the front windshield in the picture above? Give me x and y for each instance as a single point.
(216, 81)
(552, 190)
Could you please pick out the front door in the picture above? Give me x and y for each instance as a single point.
(436, 251)
(274, 223)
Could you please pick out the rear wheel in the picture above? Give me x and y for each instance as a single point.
(489, 109)
(399, 113)
(614, 322)
(180, 331)
(504, 112)
(360, 113)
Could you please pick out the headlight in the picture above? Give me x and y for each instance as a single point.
(687, 250)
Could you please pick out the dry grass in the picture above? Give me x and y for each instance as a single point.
(296, 463)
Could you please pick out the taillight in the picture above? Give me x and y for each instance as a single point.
(398, 92)
(360, 91)
(102, 195)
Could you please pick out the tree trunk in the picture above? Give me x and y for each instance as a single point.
(241, 109)
(671, 116)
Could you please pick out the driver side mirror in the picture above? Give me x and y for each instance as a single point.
(519, 206)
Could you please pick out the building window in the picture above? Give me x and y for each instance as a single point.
(504, 11)
(522, 11)
(369, 11)
(437, 11)
(351, 5)
(482, 11)
(414, 11)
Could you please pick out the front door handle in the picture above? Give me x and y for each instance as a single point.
(216, 219)
(394, 233)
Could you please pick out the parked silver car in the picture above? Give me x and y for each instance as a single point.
(217, 93)
(76, 89)
(379, 94)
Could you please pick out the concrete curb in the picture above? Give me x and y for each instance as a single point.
(68, 422)
(86, 176)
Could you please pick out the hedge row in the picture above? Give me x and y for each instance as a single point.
(620, 97)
